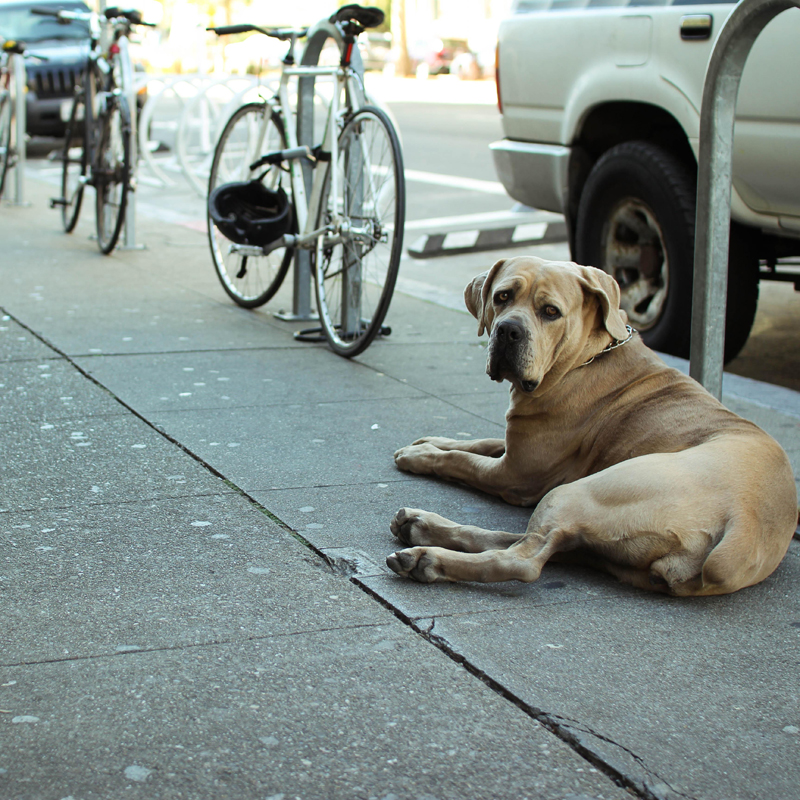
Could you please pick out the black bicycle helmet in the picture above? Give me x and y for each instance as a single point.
(248, 212)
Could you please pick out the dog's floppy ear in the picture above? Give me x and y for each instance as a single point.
(476, 295)
(606, 289)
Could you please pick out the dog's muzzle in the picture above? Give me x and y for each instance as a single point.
(508, 341)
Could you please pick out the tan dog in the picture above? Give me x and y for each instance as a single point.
(633, 467)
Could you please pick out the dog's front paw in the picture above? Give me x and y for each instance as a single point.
(417, 563)
(409, 527)
(419, 458)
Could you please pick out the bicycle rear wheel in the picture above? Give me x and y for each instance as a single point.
(112, 172)
(254, 129)
(358, 258)
(5, 138)
(73, 164)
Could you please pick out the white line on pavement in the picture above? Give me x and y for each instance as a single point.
(484, 218)
(454, 181)
(458, 239)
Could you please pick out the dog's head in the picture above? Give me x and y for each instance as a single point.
(543, 314)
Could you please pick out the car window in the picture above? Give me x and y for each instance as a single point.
(17, 22)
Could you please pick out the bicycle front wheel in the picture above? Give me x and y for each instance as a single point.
(73, 164)
(358, 256)
(112, 173)
(253, 130)
(5, 138)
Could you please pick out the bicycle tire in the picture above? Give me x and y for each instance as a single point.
(74, 164)
(112, 172)
(250, 281)
(355, 280)
(5, 139)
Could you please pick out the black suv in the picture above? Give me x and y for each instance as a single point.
(51, 82)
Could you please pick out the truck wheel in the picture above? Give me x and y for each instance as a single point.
(636, 221)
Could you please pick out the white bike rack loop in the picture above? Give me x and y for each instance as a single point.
(715, 156)
(192, 84)
(126, 66)
(17, 61)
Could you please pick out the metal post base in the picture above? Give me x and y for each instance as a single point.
(288, 316)
(314, 335)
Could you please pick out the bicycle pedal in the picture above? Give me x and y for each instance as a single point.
(385, 330)
(55, 202)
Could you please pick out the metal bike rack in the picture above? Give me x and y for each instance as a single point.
(153, 98)
(20, 110)
(317, 37)
(715, 157)
(126, 65)
(192, 92)
(200, 109)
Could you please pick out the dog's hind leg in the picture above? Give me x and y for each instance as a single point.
(415, 527)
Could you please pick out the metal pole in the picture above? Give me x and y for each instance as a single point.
(129, 87)
(20, 109)
(317, 37)
(712, 226)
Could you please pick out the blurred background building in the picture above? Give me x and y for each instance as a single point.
(422, 38)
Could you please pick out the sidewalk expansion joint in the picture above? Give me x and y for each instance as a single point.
(644, 789)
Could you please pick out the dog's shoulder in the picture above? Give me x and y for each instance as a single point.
(647, 406)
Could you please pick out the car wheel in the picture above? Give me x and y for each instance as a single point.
(636, 221)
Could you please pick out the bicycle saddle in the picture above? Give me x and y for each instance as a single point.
(367, 17)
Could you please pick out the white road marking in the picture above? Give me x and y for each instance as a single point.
(492, 218)
(531, 230)
(456, 182)
(458, 239)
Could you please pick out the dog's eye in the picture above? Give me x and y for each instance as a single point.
(551, 312)
(502, 297)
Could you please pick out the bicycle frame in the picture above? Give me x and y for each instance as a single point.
(345, 81)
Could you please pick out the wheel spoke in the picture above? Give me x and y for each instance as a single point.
(355, 277)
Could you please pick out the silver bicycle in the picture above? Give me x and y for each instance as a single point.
(346, 195)
(10, 151)
(98, 144)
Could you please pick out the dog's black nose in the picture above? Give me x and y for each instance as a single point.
(509, 332)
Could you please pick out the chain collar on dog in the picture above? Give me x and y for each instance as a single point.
(613, 346)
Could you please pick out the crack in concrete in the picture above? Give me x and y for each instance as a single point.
(644, 789)
(194, 645)
(657, 786)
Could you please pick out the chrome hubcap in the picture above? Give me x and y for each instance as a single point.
(635, 255)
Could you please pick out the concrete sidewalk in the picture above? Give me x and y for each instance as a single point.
(193, 525)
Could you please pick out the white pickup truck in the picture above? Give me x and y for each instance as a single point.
(601, 114)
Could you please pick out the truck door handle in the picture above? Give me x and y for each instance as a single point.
(696, 26)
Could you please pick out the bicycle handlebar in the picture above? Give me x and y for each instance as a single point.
(65, 17)
(132, 15)
(284, 34)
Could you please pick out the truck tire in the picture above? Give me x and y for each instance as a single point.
(636, 221)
